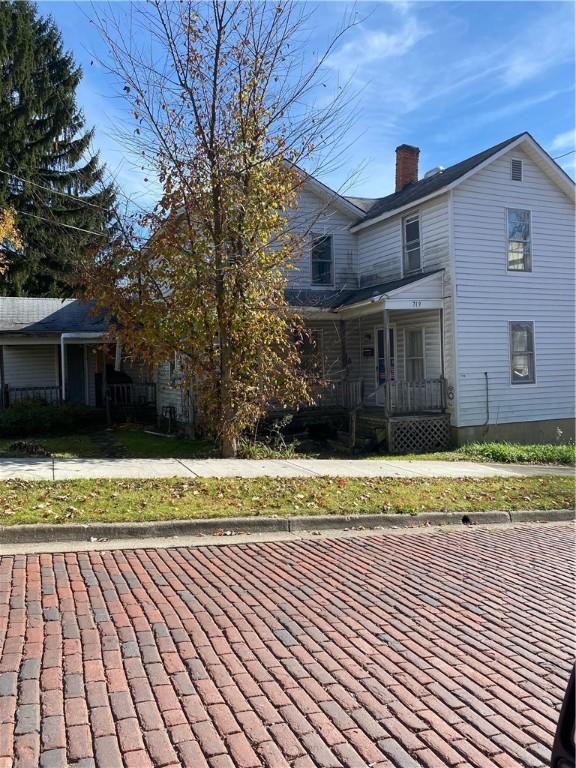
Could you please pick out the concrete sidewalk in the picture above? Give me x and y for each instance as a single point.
(77, 469)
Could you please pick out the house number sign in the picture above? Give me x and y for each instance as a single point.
(417, 303)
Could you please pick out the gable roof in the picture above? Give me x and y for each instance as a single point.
(49, 316)
(441, 182)
(425, 187)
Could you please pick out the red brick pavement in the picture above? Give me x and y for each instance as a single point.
(428, 649)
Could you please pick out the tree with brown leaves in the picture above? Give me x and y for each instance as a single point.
(224, 114)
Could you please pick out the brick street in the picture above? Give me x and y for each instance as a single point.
(435, 649)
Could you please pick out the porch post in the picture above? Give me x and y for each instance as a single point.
(442, 363)
(63, 367)
(386, 340)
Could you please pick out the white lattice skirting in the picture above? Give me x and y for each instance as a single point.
(419, 434)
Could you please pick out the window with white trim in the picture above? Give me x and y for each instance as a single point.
(522, 363)
(519, 253)
(516, 169)
(415, 355)
(412, 250)
(322, 260)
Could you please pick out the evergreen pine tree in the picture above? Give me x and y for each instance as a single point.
(44, 149)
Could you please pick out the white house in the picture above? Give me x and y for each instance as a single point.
(445, 308)
(451, 299)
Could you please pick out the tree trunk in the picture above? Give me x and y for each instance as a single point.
(228, 447)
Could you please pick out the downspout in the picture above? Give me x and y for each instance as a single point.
(487, 388)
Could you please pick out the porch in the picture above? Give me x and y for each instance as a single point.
(75, 368)
(382, 361)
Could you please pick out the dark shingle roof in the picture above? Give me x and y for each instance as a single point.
(414, 192)
(323, 299)
(364, 203)
(54, 316)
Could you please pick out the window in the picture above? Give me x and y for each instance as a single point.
(519, 252)
(311, 353)
(415, 355)
(412, 257)
(522, 369)
(516, 169)
(322, 260)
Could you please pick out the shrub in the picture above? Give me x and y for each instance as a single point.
(514, 453)
(33, 418)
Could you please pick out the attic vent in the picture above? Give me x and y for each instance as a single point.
(516, 169)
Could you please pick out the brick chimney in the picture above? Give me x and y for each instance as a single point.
(406, 165)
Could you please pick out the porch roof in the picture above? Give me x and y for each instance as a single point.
(31, 316)
(336, 300)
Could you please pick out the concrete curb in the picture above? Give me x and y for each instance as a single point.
(22, 534)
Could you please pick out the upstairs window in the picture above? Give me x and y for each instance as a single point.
(322, 261)
(412, 251)
(516, 169)
(519, 246)
(522, 368)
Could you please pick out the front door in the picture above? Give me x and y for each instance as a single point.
(75, 373)
(381, 373)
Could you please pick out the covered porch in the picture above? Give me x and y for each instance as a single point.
(382, 360)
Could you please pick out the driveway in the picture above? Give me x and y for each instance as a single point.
(76, 469)
(435, 649)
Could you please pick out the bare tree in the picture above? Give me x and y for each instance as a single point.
(225, 112)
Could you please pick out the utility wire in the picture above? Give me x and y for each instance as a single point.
(564, 155)
(52, 191)
(61, 224)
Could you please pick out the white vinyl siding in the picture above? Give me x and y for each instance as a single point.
(489, 297)
(313, 215)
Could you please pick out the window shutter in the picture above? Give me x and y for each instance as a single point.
(516, 169)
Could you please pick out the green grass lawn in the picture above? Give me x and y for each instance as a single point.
(63, 446)
(83, 501)
(143, 445)
(506, 453)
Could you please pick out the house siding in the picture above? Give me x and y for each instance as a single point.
(380, 259)
(380, 246)
(169, 394)
(488, 297)
(31, 365)
(314, 215)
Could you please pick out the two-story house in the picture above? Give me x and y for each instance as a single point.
(448, 304)
(443, 309)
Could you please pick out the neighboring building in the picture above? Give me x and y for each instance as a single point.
(55, 350)
(445, 307)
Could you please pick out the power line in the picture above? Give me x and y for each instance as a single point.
(61, 224)
(52, 191)
(564, 155)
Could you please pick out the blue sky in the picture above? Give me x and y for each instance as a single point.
(450, 77)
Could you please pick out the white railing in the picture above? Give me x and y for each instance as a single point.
(415, 396)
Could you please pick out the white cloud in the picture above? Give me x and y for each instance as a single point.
(564, 141)
(373, 46)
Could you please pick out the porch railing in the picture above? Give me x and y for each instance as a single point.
(428, 396)
(14, 395)
(130, 394)
(342, 394)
